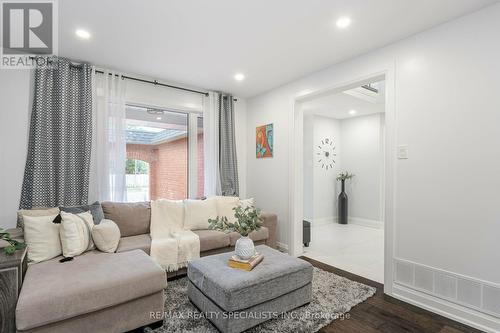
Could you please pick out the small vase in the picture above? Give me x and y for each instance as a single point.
(343, 205)
(244, 248)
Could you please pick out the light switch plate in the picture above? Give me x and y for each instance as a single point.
(403, 152)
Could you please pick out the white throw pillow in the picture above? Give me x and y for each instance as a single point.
(245, 203)
(225, 207)
(34, 212)
(42, 237)
(106, 236)
(197, 213)
(170, 212)
(76, 233)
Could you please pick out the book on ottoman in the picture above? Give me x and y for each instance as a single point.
(246, 265)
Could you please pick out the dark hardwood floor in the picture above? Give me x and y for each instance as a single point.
(382, 313)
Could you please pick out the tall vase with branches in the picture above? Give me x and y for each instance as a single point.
(343, 200)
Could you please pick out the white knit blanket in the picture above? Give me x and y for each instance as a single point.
(171, 246)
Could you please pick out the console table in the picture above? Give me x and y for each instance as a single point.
(12, 269)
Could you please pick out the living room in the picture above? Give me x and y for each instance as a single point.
(152, 152)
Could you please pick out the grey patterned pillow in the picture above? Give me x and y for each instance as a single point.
(95, 210)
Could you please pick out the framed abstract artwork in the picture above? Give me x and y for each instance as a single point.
(264, 141)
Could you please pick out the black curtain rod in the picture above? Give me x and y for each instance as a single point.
(156, 83)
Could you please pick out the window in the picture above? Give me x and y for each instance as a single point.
(158, 155)
(137, 180)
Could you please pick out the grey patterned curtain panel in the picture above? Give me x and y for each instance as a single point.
(228, 166)
(60, 138)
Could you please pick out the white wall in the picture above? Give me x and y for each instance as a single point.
(324, 181)
(362, 155)
(359, 151)
(240, 127)
(308, 168)
(15, 104)
(447, 108)
(162, 97)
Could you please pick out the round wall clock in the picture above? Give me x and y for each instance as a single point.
(325, 154)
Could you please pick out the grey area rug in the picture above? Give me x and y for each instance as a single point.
(333, 297)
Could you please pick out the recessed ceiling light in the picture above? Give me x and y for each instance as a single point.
(158, 118)
(352, 112)
(83, 34)
(343, 22)
(239, 77)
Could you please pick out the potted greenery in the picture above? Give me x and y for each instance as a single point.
(247, 220)
(13, 244)
(342, 177)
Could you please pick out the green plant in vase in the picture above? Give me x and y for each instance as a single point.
(13, 246)
(247, 220)
(343, 176)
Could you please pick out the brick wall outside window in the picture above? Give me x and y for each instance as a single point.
(168, 167)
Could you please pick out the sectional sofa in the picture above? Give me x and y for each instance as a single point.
(134, 220)
(111, 292)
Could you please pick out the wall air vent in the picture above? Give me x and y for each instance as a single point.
(473, 293)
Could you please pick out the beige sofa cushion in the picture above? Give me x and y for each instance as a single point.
(259, 235)
(106, 236)
(139, 242)
(132, 218)
(54, 291)
(212, 239)
(198, 212)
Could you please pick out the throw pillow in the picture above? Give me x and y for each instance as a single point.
(197, 213)
(225, 207)
(41, 237)
(95, 209)
(171, 212)
(76, 233)
(247, 203)
(106, 236)
(34, 212)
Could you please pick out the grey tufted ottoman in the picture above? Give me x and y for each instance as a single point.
(236, 300)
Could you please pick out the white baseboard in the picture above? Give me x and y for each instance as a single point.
(324, 220)
(447, 309)
(462, 298)
(351, 220)
(366, 222)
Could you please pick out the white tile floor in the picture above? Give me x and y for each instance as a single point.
(353, 248)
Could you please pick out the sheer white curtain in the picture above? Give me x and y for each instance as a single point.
(109, 140)
(211, 144)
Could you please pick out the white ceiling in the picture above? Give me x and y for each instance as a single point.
(338, 106)
(204, 43)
